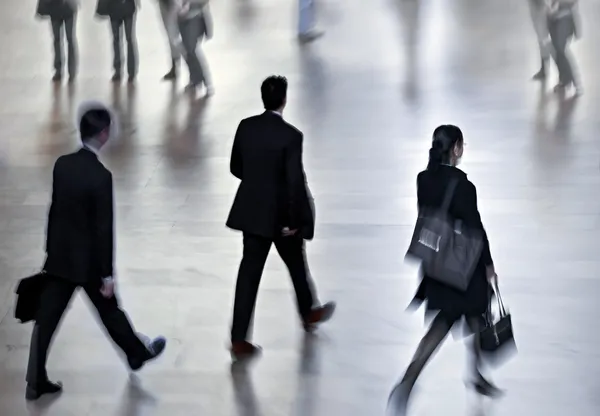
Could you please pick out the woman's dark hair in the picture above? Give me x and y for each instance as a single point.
(274, 91)
(445, 137)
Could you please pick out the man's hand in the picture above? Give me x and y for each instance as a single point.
(108, 287)
(286, 232)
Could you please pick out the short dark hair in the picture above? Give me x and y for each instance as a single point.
(274, 92)
(93, 122)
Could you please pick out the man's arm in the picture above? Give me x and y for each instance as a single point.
(235, 164)
(294, 176)
(104, 225)
(52, 210)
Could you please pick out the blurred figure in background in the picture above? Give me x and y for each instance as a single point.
(272, 206)
(80, 253)
(307, 31)
(564, 26)
(449, 305)
(195, 24)
(122, 15)
(168, 13)
(539, 18)
(63, 15)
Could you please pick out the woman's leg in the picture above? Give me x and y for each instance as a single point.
(429, 344)
(190, 34)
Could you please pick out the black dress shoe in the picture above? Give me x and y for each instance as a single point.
(155, 349)
(34, 392)
(116, 77)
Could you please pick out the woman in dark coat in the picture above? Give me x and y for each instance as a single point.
(448, 305)
(62, 14)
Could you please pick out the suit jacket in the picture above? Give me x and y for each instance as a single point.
(431, 189)
(267, 158)
(80, 234)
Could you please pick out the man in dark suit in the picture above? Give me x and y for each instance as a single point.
(272, 206)
(80, 253)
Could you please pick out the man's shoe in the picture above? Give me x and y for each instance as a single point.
(35, 392)
(244, 350)
(116, 77)
(57, 77)
(155, 348)
(318, 316)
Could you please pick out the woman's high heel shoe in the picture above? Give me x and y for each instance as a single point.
(485, 388)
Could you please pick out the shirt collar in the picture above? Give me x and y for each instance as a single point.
(91, 149)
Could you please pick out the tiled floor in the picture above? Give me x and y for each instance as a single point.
(367, 96)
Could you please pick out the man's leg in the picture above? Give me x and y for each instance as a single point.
(57, 25)
(118, 326)
(256, 250)
(561, 31)
(292, 252)
(71, 45)
(54, 299)
(132, 60)
(115, 25)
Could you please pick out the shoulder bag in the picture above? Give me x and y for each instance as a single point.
(448, 251)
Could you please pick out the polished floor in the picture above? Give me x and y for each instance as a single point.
(367, 96)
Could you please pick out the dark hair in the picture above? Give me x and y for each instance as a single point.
(93, 123)
(445, 137)
(274, 92)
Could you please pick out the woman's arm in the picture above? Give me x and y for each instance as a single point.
(467, 201)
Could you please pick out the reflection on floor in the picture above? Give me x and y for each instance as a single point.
(367, 96)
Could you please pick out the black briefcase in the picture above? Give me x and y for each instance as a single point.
(497, 339)
(29, 293)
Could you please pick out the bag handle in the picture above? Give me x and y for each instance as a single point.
(449, 194)
(501, 306)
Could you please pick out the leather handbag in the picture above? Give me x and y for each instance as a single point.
(28, 294)
(448, 251)
(497, 339)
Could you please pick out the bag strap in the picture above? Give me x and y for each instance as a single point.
(449, 195)
(501, 306)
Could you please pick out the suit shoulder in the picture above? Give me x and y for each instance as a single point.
(296, 131)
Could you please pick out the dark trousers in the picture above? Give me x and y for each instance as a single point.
(562, 31)
(117, 26)
(439, 329)
(69, 29)
(256, 249)
(55, 299)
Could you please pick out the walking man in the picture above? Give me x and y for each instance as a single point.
(80, 253)
(272, 206)
(168, 13)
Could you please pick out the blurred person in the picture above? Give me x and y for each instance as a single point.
(122, 15)
(63, 16)
(539, 18)
(168, 13)
(307, 31)
(450, 306)
(564, 26)
(195, 25)
(272, 205)
(80, 253)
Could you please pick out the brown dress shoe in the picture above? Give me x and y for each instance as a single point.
(244, 350)
(318, 316)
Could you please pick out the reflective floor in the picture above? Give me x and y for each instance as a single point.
(367, 97)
